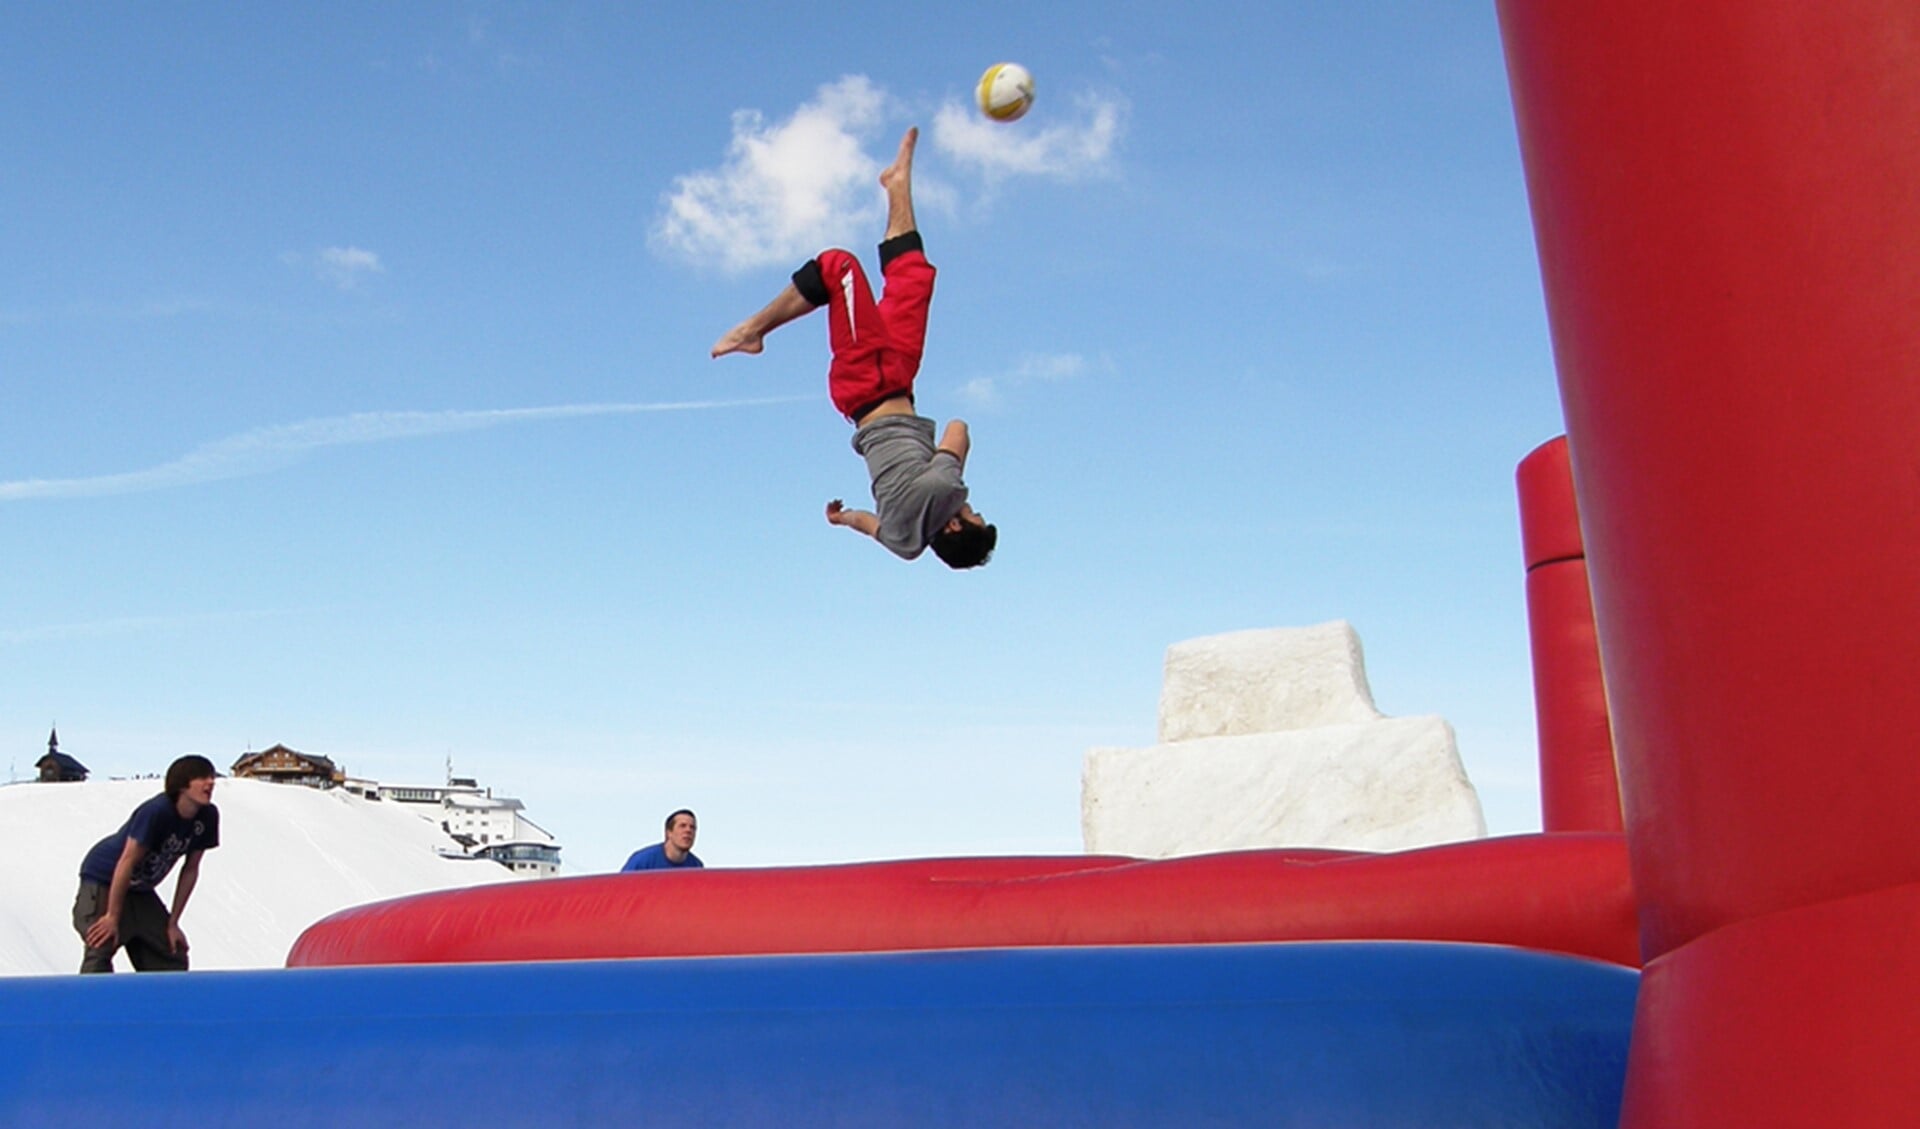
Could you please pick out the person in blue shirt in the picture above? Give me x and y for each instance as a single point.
(118, 903)
(673, 854)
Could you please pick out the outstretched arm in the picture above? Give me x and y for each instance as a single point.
(182, 890)
(858, 520)
(106, 928)
(956, 441)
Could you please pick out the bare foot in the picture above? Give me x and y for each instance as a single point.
(897, 179)
(898, 176)
(746, 337)
(741, 338)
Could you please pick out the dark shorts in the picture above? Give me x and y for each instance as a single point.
(143, 931)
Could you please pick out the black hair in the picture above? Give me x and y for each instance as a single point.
(967, 547)
(185, 771)
(688, 812)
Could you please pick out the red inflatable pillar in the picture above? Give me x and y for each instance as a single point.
(1726, 199)
(1578, 788)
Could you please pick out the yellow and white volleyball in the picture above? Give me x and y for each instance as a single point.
(1006, 91)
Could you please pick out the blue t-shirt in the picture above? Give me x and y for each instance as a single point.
(655, 858)
(157, 826)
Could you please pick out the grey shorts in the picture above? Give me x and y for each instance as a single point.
(143, 931)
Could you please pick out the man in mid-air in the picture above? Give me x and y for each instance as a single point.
(920, 500)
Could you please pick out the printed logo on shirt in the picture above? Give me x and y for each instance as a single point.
(159, 862)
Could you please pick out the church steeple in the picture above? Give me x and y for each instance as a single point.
(56, 765)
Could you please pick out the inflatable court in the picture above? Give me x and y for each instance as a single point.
(1726, 196)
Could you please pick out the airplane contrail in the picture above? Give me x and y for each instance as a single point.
(269, 448)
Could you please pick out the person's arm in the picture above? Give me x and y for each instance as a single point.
(956, 442)
(182, 890)
(106, 929)
(858, 520)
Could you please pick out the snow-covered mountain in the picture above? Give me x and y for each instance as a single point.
(288, 856)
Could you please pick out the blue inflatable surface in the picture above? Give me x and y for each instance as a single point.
(1357, 1035)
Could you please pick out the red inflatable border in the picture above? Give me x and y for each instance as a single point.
(1558, 893)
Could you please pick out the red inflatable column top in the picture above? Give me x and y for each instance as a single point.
(1727, 203)
(1726, 200)
(1578, 788)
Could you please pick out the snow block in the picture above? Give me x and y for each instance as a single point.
(1264, 681)
(1385, 786)
(1270, 738)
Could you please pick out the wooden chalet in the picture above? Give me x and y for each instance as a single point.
(282, 765)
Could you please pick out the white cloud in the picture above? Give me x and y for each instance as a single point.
(1033, 368)
(793, 186)
(1072, 150)
(269, 448)
(1050, 366)
(345, 266)
(786, 189)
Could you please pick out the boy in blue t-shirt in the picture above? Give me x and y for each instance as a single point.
(672, 853)
(117, 904)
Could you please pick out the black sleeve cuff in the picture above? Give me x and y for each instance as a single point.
(810, 284)
(898, 246)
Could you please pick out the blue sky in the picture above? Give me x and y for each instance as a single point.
(354, 394)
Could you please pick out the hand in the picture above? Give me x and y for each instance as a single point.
(860, 521)
(176, 940)
(957, 441)
(104, 932)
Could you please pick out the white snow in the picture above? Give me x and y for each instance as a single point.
(288, 856)
(1264, 681)
(1270, 738)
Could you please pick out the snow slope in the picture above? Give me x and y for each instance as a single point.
(288, 856)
